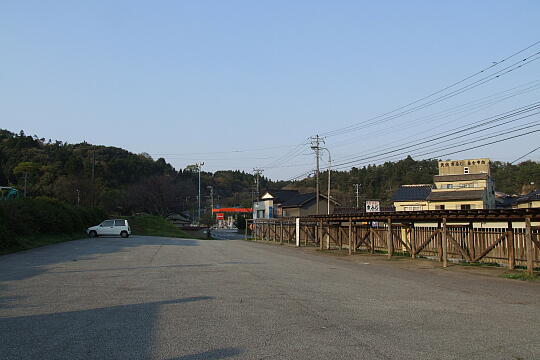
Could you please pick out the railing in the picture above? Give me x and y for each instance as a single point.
(512, 242)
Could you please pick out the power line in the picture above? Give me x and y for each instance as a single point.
(441, 90)
(521, 157)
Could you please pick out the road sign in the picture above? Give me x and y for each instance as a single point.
(220, 216)
(372, 206)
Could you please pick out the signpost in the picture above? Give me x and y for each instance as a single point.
(372, 206)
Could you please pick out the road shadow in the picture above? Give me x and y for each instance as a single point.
(212, 354)
(115, 332)
(29, 263)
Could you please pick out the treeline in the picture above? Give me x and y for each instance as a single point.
(113, 179)
(125, 183)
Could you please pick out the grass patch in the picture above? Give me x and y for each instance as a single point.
(520, 275)
(479, 264)
(33, 241)
(151, 225)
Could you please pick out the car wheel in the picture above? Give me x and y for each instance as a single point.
(124, 234)
(92, 233)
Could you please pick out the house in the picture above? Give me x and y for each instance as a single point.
(306, 204)
(286, 203)
(178, 219)
(531, 200)
(462, 184)
(412, 197)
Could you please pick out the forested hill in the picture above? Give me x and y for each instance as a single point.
(125, 183)
(122, 182)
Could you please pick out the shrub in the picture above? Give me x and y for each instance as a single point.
(42, 216)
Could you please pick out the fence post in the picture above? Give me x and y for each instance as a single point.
(389, 240)
(350, 236)
(281, 232)
(297, 232)
(529, 245)
(246, 230)
(444, 244)
(412, 234)
(510, 243)
(472, 253)
(439, 243)
(320, 235)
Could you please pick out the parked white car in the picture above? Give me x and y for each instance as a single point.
(110, 227)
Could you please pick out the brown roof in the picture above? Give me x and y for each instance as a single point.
(461, 177)
(456, 195)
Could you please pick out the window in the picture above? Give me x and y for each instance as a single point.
(284, 213)
(449, 186)
(466, 207)
(119, 222)
(439, 207)
(466, 170)
(107, 223)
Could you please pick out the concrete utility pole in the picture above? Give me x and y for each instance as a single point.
(316, 146)
(258, 173)
(357, 195)
(211, 198)
(329, 170)
(199, 166)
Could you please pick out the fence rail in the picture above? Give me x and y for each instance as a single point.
(509, 244)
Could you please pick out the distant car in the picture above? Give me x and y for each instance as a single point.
(110, 227)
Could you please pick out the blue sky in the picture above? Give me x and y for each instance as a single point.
(197, 80)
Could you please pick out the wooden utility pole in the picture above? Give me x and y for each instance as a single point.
(316, 146)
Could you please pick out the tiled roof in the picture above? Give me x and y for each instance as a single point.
(281, 196)
(532, 196)
(298, 200)
(461, 177)
(412, 193)
(456, 195)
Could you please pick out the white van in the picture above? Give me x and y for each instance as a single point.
(110, 227)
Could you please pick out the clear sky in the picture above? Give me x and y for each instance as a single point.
(197, 80)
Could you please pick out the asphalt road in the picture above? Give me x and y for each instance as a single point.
(161, 298)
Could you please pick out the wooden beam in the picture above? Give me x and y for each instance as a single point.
(457, 244)
(389, 241)
(350, 236)
(444, 244)
(529, 246)
(510, 246)
(491, 247)
(424, 244)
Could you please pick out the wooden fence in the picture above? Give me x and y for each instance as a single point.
(509, 245)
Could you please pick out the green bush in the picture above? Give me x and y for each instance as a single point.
(23, 218)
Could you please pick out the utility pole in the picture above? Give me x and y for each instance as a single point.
(357, 195)
(199, 166)
(211, 197)
(316, 146)
(93, 174)
(258, 173)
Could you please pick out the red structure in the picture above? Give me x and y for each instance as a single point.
(233, 210)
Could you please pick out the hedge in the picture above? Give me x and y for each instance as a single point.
(24, 218)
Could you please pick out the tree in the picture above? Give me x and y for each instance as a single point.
(25, 168)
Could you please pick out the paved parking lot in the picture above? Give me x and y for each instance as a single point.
(163, 298)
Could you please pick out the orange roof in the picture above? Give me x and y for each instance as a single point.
(243, 210)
